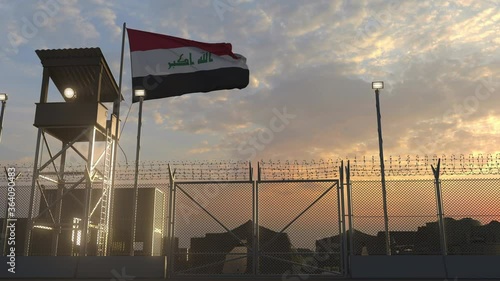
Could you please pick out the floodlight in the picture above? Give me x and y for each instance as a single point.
(69, 93)
(139, 92)
(378, 85)
(3, 97)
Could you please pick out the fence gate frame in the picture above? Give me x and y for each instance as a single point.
(334, 184)
(253, 249)
(177, 185)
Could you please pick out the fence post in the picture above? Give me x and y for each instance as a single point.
(439, 202)
(255, 227)
(341, 214)
(170, 227)
(349, 211)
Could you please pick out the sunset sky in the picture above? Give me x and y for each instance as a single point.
(314, 59)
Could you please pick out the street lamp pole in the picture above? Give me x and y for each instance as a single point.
(377, 86)
(140, 93)
(3, 99)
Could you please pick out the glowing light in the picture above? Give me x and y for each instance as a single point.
(139, 92)
(43, 227)
(76, 235)
(377, 85)
(69, 93)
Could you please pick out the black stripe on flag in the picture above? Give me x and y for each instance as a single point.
(164, 86)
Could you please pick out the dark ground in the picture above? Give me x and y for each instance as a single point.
(247, 279)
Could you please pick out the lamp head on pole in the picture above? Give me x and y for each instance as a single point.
(378, 85)
(3, 97)
(139, 93)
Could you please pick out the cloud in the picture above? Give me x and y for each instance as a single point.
(158, 118)
(300, 61)
(315, 58)
(107, 17)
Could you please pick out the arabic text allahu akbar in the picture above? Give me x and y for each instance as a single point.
(205, 58)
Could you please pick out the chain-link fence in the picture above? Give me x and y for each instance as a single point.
(471, 217)
(213, 228)
(410, 205)
(299, 229)
(471, 212)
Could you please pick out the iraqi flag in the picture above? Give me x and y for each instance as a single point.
(167, 66)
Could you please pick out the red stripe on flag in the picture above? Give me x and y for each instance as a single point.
(144, 41)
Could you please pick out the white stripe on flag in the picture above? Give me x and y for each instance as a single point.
(169, 61)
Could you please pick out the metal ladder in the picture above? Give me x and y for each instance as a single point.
(102, 233)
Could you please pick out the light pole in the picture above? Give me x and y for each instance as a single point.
(140, 93)
(3, 98)
(377, 85)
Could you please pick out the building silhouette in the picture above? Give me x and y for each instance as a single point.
(149, 232)
(214, 247)
(464, 237)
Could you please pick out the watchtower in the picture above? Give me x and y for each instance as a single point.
(80, 123)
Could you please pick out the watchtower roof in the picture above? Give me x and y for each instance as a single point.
(79, 69)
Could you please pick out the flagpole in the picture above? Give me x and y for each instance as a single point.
(137, 150)
(116, 112)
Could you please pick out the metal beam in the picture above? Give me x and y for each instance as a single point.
(341, 218)
(64, 149)
(42, 194)
(349, 209)
(98, 84)
(170, 226)
(50, 155)
(60, 191)
(48, 179)
(79, 153)
(68, 191)
(440, 213)
(255, 226)
(88, 188)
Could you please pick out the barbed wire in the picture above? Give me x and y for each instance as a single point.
(151, 171)
(398, 166)
(209, 170)
(221, 170)
(277, 170)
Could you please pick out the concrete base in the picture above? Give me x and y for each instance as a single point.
(39, 267)
(450, 267)
(398, 267)
(480, 267)
(85, 267)
(144, 267)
